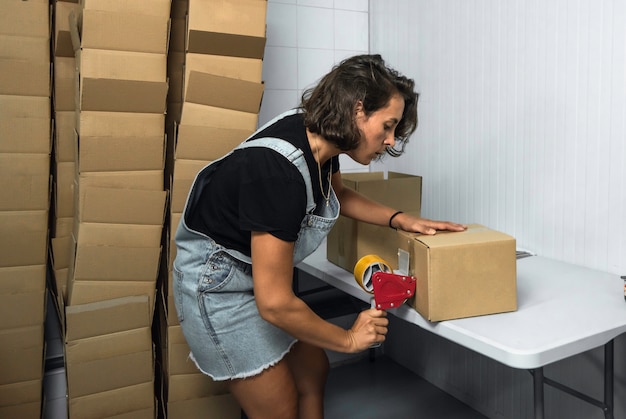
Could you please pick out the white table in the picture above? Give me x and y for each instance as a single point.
(563, 310)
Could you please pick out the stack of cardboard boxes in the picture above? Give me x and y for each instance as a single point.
(215, 69)
(111, 144)
(25, 147)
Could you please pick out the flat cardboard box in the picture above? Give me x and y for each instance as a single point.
(462, 274)
(223, 406)
(24, 181)
(26, 18)
(64, 189)
(21, 287)
(241, 68)
(21, 353)
(61, 251)
(64, 93)
(109, 154)
(116, 263)
(25, 78)
(150, 180)
(207, 143)
(64, 126)
(127, 357)
(113, 402)
(185, 172)
(350, 240)
(119, 124)
(20, 47)
(25, 124)
(121, 31)
(22, 410)
(105, 317)
(142, 7)
(62, 226)
(212, 116)
(223, 27)
(193, 386)
(85, 292)
(14, 395)
(223, 92)
(178, 361)
(120, 206)
(122, 235)
(62, 40)
(122, 81)
(24, 238)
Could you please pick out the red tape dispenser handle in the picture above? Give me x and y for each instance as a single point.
(376, 277)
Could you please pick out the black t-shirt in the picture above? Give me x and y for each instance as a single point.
(257, 189)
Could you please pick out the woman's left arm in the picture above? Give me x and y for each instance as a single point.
(359, 207)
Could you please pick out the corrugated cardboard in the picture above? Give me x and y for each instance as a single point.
(123, 31)
(64, 189)
(106, 317)
(241, 68)
(21, 353)
(122, 235)
(350, 240)
(24, 181)
(113, 263)
(109, 154)
(119, 124)
(151, 180)
(64, 94)
(143, 7)
(222, 27)
(223, 406)
(25, 124)
(26, 18)
(85, 292)
(64, 126)
(193, 386)
(114, 402)
(61, 248)
(185, 172)
(211, 116)
(24, 238)
(121, 206)
(62, 40)
(25, 78)
(223, 92)
(22, 286)
(126, 356)
(178, 361)
(462, 274)
(15, 396)
(207, 143)
(122, 81)
(19, 47)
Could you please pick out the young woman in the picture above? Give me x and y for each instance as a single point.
(251, 216)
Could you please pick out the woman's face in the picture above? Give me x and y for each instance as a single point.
(377, 130)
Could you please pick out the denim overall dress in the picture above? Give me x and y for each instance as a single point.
(213, 289)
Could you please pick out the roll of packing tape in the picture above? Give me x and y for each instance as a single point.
(365, 269)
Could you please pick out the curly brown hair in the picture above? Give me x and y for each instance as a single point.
(329, 106)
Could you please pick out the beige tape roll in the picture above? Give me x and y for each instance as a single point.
(365, 269)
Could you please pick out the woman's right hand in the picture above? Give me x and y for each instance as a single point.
(368, 329)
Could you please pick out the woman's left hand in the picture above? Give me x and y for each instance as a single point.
(414, 224)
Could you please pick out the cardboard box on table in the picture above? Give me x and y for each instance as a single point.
(462, 274)
(350, 240)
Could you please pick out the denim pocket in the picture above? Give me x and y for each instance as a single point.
(218, 270)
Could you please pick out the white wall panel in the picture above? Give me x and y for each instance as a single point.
(522, 128)
(522, 114)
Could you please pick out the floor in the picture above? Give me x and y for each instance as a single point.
(384, 389)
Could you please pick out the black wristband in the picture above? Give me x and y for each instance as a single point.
(392, 217)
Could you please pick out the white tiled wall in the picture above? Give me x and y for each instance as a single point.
(305, 38)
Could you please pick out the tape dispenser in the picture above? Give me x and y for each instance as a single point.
(376, 277)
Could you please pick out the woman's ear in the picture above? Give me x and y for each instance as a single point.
(358, 108)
